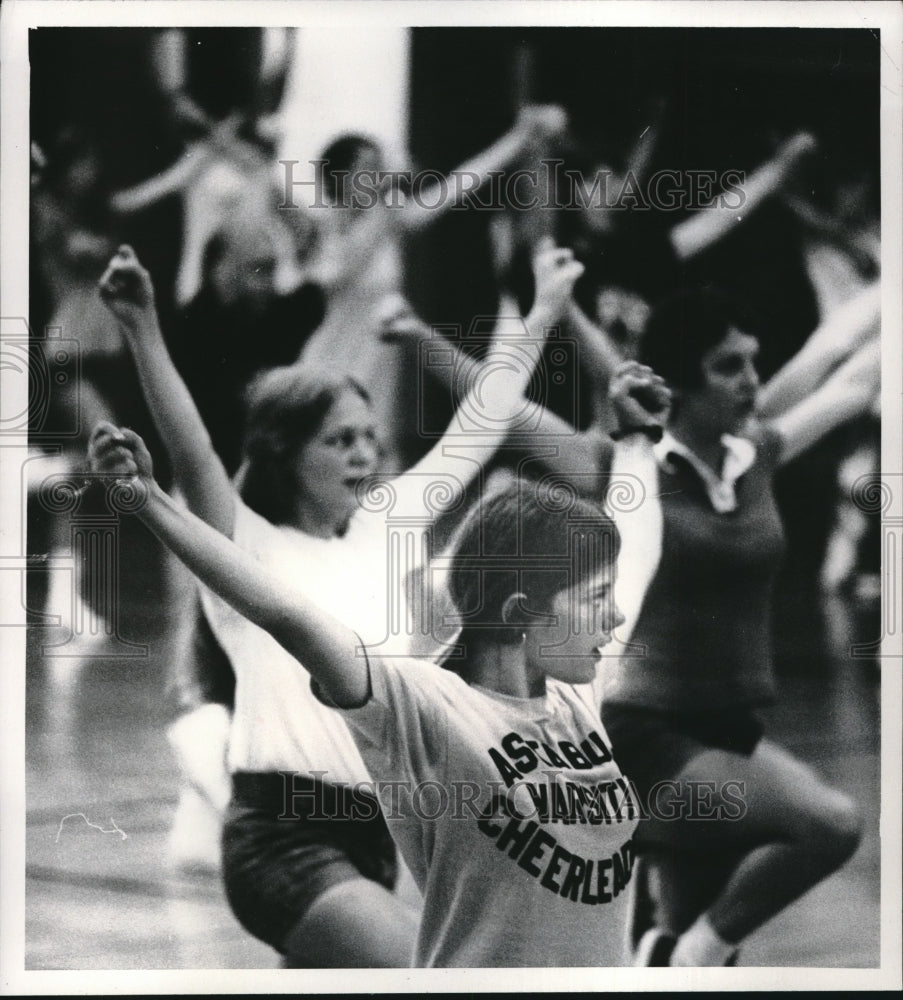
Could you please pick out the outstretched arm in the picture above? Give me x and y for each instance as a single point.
(844, 332)
(535, 122)
(128, 292)
(713, 221)
(846, 394)
(323, 645)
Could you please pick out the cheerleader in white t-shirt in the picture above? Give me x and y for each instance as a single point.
(319, 892)
(496, 775)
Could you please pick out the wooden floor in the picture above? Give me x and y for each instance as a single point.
(101, 788)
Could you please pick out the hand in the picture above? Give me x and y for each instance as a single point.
(118, 451)
(792, 150)
(128, 292)
(555, 271)
(543, 121)
(640, 397)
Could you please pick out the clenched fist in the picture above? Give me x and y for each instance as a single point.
(127, 291)
(118, 451)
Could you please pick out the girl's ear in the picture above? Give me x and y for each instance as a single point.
(511, 609)
(513, 615)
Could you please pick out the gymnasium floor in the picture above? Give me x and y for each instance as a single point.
(101, 788)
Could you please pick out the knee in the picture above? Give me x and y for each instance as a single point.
(837, 831)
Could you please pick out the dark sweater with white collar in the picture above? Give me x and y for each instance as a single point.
(705, 624)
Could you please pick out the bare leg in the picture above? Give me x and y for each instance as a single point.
(795, 831)
(355, 924)
(682, 886)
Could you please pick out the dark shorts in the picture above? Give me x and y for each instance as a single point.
(652, 746)
(280, 853)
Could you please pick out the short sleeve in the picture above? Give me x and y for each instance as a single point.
(404, 721)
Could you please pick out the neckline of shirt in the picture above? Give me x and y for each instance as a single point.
(537, 706)
(740, 453)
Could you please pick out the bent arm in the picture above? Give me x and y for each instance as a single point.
(324, 646)
(845, 331)
(846, 394)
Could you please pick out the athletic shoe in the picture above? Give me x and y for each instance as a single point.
(654, 949)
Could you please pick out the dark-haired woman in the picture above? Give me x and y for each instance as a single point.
(682, 715)
(497, 778)
(318, 891)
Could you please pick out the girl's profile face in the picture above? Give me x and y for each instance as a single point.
(331, 464)
(585, 617)
(727, 397)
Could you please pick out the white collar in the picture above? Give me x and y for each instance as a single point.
(740, 453)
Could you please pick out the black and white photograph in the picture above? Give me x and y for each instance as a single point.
(452, 505)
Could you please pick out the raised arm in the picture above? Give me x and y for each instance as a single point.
(599, 354)
(535, 122)
(848, 393)
(640, 156)
(713, 221)
(539, 434)
(831, 229)
(169, 55)
(495, 406)
(844, 332)
(128, 292)
(323, 645)
(640, 401)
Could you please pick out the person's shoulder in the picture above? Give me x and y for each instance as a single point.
(422, 685)
(418, 671)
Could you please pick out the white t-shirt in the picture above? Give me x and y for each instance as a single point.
(539, 882)
(357, 578)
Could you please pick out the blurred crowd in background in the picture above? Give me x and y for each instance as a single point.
(170, 140)
(746, 161)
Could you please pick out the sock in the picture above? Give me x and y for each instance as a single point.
(701, 945)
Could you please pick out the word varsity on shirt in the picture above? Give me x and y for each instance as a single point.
(525, 858)
(518, 820)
